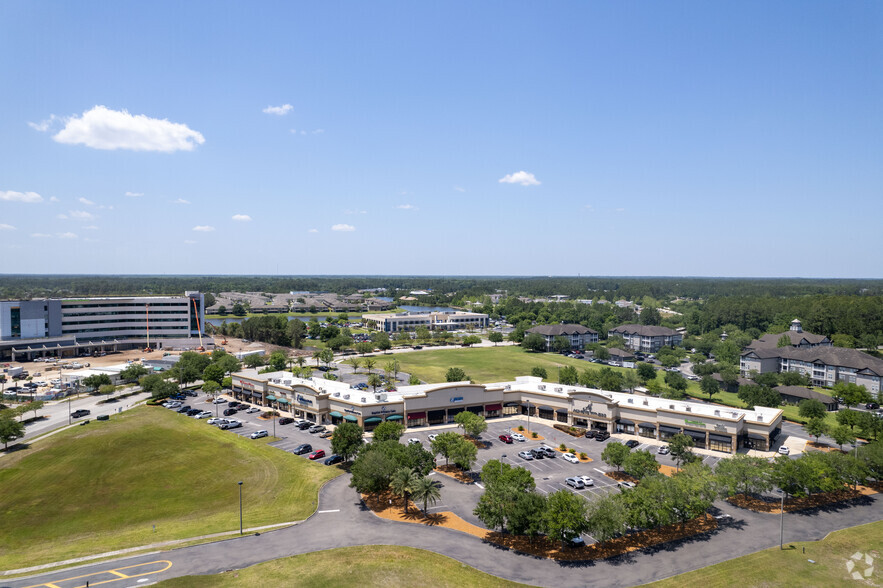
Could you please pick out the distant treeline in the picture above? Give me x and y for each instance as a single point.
(26, 287)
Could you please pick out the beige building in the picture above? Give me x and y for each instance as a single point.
(434, 321)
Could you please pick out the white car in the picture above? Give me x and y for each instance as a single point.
(570, 457)
(203, 415)
(518, 437)
(626, 485)
(414, 441)
(587, 481)
(216, 421)
(574, 483)
(230, 424)
(253, 410)
(432, 437)
(527, 455)
(219, 401)
(259, 434)
(663, 450)
(784, 450)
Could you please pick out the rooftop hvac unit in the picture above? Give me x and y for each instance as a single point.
(760, 418)
(688, 409)
(286, 382)
(275, 380)
(571, 390)
(646, 403)
(363, 399)
(346, 396)
(337, 394)
(322, 390)
(671, 406)
(542, 387)
(507, 387)
(558, 389)
(735, 414)
(717, 413)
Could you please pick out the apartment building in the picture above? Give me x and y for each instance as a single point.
(578, 335)
(647, 338)
(825, 366)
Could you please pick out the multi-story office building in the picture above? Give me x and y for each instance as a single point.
(436, 321)
(70, 326)
(647, 338)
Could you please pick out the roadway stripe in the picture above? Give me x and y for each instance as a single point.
(479, 485)
(597, 470)
(324, 511)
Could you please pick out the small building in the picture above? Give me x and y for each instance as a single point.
(623, 357)
(794, 394)
(578, 335)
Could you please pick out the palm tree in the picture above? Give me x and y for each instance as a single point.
(427, 490)
(374, 381)
(355, 362)
(370, 362)
(317, 355)
(392, 367)
(300, 360)
(403, 480)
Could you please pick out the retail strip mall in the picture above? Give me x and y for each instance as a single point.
(714, 427)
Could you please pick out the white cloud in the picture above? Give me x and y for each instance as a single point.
(5, 227)
(344, 228)
(134, 194)
(241, 217)
(81, 215)
(313, 231)
(62, 216)
(406, 207)
(85, 201)
(306, 132)
(203, 228)
(103, 128)
(180, 201)
(278, 110)
(522, 177)
(44, 125)
(355, 211)
(29, 197)
(459, 189)
(54, 199)
(40, 235)
(67, 235)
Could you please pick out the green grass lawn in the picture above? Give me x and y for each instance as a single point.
(775, 568)
(367, 567)
(103, 486)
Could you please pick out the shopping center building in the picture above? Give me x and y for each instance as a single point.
(711, 426)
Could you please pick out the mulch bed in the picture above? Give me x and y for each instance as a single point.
(477, 442)
(793, 504)
(586, 460)
(529, 435)
(456, 473)
(621, 477)
(389, 507)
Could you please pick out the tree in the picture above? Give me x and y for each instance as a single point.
(471, 340)
(605, 518)
(106, 389)
(753, 395)
(347, 440)
(222, 310)
(810, 408)
(630, 380)
(473, 424)
(381, 341)
(388, 431)
(639, 464)
(189, 367)
(455, 374)
(211, 388)
(444, 444)
(133, 372)
(403, 480)
(297, 331)
(364, 347)
(356, 363)
(339, 342)
(33, 406)
(676, 381)
(213, 372)
(681, 448)
(565, 516)
(374, 381)
(10, 429)
(423, 334)
(527, 514)
(427, 490)
(709, 386)
(464, 454)
(848, 418)
(742, 474)
(870, 425)
(650, 316)
(392, 367)
(95, 381)
(238, 309)
(533, 342)
(370, 362)
(560, 344)
(602, 353)
(327, 356)
(851, 394)
(816, 427)
(646, 372)
(539, 372)
(615, 454)
(372, 470)
(842, 435)
(568, 375)
(413, 380)
(317, 355)
(495, 337)
(254, 360)
(872, 456)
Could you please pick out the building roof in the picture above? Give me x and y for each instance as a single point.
(556, 330)
(801, 392)
(624, 353)
(836, 356)
(644, 330)
(797, 337)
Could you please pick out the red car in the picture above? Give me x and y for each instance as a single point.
(317, 454)
(505, 438)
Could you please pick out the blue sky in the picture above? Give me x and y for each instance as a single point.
(491, 138)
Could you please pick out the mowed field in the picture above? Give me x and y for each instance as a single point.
(373, 566)
(105, 485)
(791, 568)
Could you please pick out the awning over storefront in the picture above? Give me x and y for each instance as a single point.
(494, 407)
(646, 426)
(666, 429)
(271, 397)
(513, 404)
(245, 392)
(720, 438)
(548, 408)
(282, 400)
(416, 415)
(528, 404)
(561, 411)
(474, 409)
(371, 420)
(335, 414)
(394, 417)
(350, 418)
(695, 434)
(756, 436)
(625, 422)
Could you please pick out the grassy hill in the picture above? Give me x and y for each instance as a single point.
(105, 485)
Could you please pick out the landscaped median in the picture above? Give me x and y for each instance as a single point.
(795, 504)
(388, 506)
(146, 476)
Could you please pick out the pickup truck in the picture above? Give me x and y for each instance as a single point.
(80, 413)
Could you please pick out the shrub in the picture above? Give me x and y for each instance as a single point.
(583, 455)
(520, 427)
(534, 435)
(562, 447)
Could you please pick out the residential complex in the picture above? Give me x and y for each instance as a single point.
(325, 401)
(825, 366)
(647, 338)
(435, 321)
(71, 326)
(795, 335)
(578, 335)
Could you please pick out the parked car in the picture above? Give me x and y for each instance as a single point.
(663, 450)
(286, 420)
(538, 453)
(219, 401)
(872, 406)
(590, 434)
(570, 457)
(432, 437)
(203, 415)
(525, 455)
(784, 450)
(548, 451)
(325, 434)
(190, 393)
(575, 483)
(333, 459)
(230, 411)
(216, 421)
(184, 409)
(587, 481)
(414, 441)
(602, 436)
(301, 449)
(626, 485)
(80, 413)
(259, 434)
(231, 424)
(631, 443)
(318, 454)
(252, 410)
(518, 437)
(317, 428)
(194, 411)
(506, 438)
(302, 425)
(233, 404)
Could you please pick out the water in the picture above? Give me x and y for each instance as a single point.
(422, 309)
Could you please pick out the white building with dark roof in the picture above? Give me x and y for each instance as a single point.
(647, 338)
(578, 335)
(825, 366)
(798, 337)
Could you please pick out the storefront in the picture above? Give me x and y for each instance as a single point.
(437, 417)
(561, 415)
(646, 430)
(336, 417)
(492, 410)
(625, 426)
(758, 442)
(666, 432)
(453, 412)
(528, 409)
(698, 438)
(546, 412)
(720, 442)
(580, 422)
(475, 409)
(416, 419)
(511, 408)
(370, 423)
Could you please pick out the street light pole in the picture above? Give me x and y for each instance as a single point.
(502, 457)
(782, 523)
(240, 508)
(528, 417)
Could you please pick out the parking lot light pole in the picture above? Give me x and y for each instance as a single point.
(528, 417)
(240, 508)
(782, 523)
(502, 457)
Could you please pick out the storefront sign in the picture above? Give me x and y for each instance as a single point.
(384, 410)
(454, 399)
(244, 383)
(303, 400)
(351, 411)
(697, 423)
(590, 412)
(720, 428)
